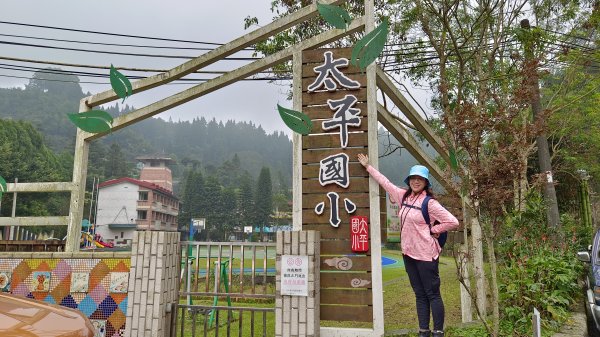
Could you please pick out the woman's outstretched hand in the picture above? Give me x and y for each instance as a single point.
(363, 159)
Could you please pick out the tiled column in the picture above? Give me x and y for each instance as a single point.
(298, 316)
(153, 283)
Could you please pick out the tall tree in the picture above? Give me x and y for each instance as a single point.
(263, 200)
(212, 202)
(117, 166)
(245, 207)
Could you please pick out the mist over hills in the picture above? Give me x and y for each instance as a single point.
(206, 144)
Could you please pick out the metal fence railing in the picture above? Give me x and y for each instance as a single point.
(226, 289)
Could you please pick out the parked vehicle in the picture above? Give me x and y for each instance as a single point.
(20, 316)
(592, 286)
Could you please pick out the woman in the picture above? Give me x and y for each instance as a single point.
(420, 248)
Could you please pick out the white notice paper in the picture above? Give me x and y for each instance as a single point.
(294, 275)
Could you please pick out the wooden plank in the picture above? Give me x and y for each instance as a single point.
(318, 128)
(332, 140)
(337, 247)
(346, 296)
(356, 185)
(329, 232)
(340, 263)
(316, 155)
(361, 78)
(320, 98)
(310, 217)
(316, 55)
(345, 280)
(361, 200)
(35, 221)
(414, 148)
(346, 313)
(39, 187)
(308, 69)
(389, 88)
(355, 170)
(214, 55)
(227, 78)
(325, 112)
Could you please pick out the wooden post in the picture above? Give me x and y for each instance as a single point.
(80, 162)
(297, 143)
(14, 210)
(479, 273)
(378, 322)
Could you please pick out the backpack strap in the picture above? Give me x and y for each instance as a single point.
(425, 210)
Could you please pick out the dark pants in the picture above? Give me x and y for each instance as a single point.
(424, 278)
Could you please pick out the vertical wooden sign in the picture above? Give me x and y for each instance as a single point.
(335, 187)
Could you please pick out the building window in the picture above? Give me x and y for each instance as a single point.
(142, 215)
(122, 235)
(143, 196)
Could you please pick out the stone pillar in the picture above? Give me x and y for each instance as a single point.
(298, 316)
(153, 283)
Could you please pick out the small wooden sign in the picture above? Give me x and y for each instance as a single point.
(359, 233)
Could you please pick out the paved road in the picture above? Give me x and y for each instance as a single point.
(576, 326)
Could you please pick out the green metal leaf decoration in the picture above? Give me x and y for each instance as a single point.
(93, 121)
(453, 161)
(295, 120)
(334, 15)
(370, 46)
(120, 83)
(3, 187)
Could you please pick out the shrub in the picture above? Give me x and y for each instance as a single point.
(536, 271)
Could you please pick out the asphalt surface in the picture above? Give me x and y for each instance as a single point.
(576, 326)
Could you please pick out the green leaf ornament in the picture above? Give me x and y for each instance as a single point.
(120, 83)
(370, 46)
(93, 121)
(334, 15)
(295, 120)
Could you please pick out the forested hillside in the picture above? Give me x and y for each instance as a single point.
(210, 145)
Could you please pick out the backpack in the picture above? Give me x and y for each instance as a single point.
(425, 212)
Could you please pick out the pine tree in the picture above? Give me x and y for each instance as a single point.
(263, 199)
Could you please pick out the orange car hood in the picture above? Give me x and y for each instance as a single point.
(23, 317)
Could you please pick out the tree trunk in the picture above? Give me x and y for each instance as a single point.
(478, 272)
(494, 284)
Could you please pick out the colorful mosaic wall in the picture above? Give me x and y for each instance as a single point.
(97, 287)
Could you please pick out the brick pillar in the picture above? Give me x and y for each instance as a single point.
(298, 316)
(153, 283)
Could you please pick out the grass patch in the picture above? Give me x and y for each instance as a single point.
(398, 300)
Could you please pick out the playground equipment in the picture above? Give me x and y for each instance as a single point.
(221, 276)
(88, 241)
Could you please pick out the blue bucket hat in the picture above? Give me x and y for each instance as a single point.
(418, 170)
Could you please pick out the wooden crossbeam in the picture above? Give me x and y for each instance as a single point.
(34, 221)
(229, 78)
(215, 55)
(39, 187)
(385, 84)
(412, 145)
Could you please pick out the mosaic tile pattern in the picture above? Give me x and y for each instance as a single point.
(49, 280)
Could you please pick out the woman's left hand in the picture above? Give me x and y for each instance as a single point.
(436, 235)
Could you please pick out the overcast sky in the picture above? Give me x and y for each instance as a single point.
(198, 20)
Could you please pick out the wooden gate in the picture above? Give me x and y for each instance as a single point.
(226, 289)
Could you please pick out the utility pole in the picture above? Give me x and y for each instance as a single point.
(542, 142)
